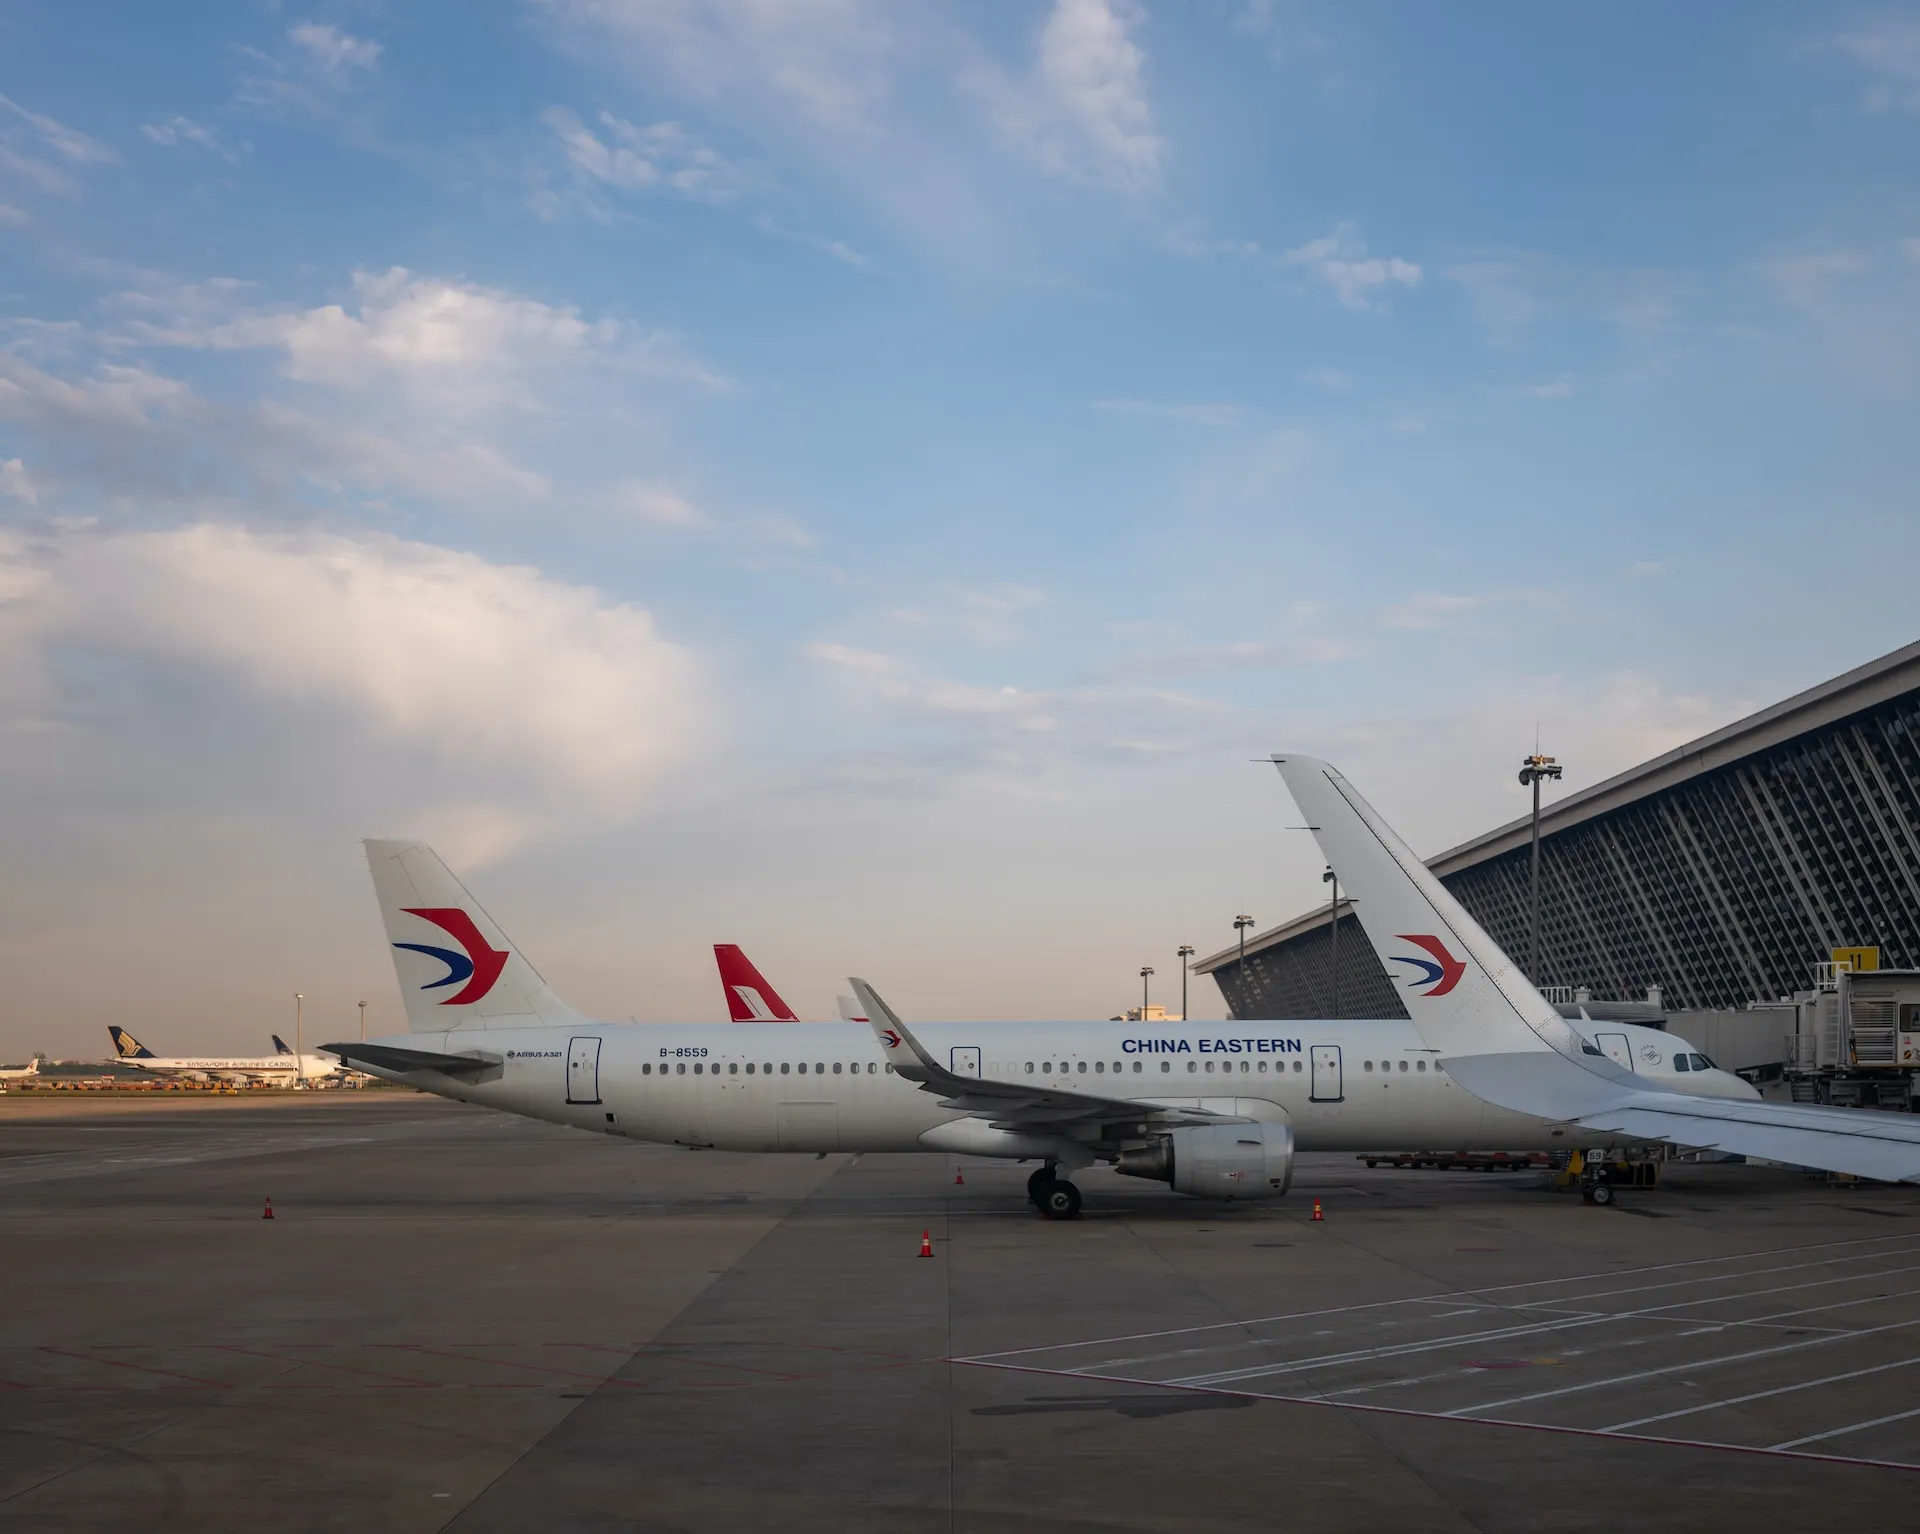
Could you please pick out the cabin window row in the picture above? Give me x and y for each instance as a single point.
(786, 1067)
(1418, 1065)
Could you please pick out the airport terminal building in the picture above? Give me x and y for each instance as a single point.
(1720, 873)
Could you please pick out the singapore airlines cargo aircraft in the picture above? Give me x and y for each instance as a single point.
(1216, 1110)
(130, 1051)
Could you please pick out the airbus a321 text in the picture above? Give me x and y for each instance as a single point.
(1216, 1110)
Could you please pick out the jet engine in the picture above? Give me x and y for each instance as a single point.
(1217, 1160)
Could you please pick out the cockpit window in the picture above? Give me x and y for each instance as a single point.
(1682, 1063)
(1588, 1049)
(1701, 1062)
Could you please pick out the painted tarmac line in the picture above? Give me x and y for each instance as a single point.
(1535, 1329)
(1647, 1374)
(1780, 1452)
(1459, 1295)
(1856, 1427)
(1761, 1395)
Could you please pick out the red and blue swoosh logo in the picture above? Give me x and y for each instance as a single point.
(1440, 972)
(475, 963)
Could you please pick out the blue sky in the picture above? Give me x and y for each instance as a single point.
(860, 480)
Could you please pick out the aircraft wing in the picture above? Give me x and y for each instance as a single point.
(386, 1057)
(1502, 1042)
(1604, 1098)
(1009, 1104)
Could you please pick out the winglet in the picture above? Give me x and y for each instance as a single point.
(906, 1054)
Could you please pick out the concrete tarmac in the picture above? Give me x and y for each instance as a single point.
(462, 1321)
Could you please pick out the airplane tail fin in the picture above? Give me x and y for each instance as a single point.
(749, 998)
(280, 1046)
(851, 1011)
(456, 967)
(1464, 995)
(126, 1046)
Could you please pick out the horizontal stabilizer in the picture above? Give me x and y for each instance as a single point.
(385, 1057)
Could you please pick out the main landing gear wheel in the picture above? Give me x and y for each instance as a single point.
(1601, 1194)
(1059, 1201)
(1037, 1182)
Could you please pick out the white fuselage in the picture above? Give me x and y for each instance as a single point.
(823, 1087)
(229, 1068)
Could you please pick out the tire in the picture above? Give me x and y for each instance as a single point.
(1060, 1201)
(1602, 1194)
(1371, 1162)
(1036, 1183)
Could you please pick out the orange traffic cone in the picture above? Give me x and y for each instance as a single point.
(269, 1212)
(1316, 1210)
(959, 1178)
(926, 1243)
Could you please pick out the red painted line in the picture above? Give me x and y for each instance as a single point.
(143, 1368)
(1428, 1416)
(316, 1363)
(507, 1363)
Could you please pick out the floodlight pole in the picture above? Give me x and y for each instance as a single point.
(363, 1022)
(1240, 925)
(1532, 770)
(298, 1077)
(1146, 975)
(1186, 953)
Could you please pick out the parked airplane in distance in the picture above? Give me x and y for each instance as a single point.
(1215, 1110)
(280, 1066)
(22, 1072)
(749, 998)
(1503, 1043)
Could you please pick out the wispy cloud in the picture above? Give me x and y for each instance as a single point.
(1887, 51)
(1239, 655)
(333, 51)
(179, 132)
(1340, 260)
(661, 156)
(43, 151)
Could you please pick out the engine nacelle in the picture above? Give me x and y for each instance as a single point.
(1218, 1160)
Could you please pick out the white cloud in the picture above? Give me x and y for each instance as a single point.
(1649, 567)
(1193, 414)
(1559, 388)
(1806, 277)
(1332, 380)
(543, 693)
(630, 157)
(460, 345)
(647, 501)
(1888, 51)
(13, 216)
(1085, 112)
(16, 482)
(334, 51)
(40, 150)
(134, 433)
(1340, 260)
(1513, 292)
(1428, 610)
(179, 132)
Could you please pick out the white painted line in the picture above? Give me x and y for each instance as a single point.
(1457, 1296)
(1647, 1374)
(1854, 1427)
(1761, 1395)
(1534, 1329)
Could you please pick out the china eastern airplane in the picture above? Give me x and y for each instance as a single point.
(1215, 1110)
(1504, 1045)
(21, 1073)
(282, 1063)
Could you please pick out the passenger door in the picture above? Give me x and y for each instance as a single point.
(1327, 1084)
(1617, 1048)
(583, 1071)
(966, 1061)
